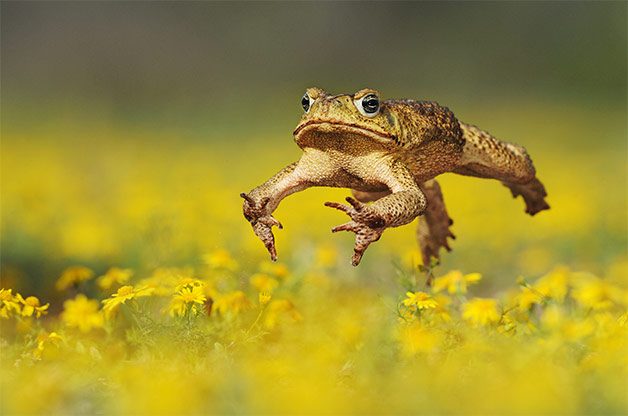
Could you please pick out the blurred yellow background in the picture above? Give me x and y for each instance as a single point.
(130, 128)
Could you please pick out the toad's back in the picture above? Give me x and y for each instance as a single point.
(430, 136)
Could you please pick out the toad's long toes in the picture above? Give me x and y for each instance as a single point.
(264, 232)
(271, 250)
(363, 239)
(348, 226)
(366, 225)
(247, 198)
(357, 257)
(271, 222)
(357, 205)
(340, 207)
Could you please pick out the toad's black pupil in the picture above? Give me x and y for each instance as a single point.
(305, 102)
(370, 104)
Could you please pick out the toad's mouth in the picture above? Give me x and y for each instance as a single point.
(331, 126)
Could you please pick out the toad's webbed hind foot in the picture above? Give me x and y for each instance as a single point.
(366, 224)
(433, 230)
(533, 194)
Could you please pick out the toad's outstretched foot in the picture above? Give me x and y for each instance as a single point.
(366, 224)
(257, 214)
(533, 194)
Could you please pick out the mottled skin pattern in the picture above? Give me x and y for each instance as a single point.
(389, 158)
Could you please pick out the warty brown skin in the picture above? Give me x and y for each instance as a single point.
(389, 158)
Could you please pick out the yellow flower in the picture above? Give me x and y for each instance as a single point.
(235, 302)
(220, 259)
(455, 282)
(441, 310)
(576, 330)
(9, 304)
(123, 294)
(554, 284)
(481, 311)
(188, 282)
(165, 280)
(82, 313)
(553, 317)
(31, 306)
(278, 270)
(419, 300)
(6, 295)
(263, 282)
(264, 298)
(516, 322)
(73, 276)
(114, 276)
(278, 308)
(185, 299)
(528, 297)
(406, 314)
(45, 339)
(595, 293)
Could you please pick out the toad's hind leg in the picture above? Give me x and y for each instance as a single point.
(486, 157)
(433, 229)
(364, 196)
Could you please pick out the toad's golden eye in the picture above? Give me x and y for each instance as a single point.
(368, 105)
(306, 102)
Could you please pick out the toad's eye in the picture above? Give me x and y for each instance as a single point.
(306, 102)
(368, 105)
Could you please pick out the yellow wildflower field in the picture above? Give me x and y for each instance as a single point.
(132, 285)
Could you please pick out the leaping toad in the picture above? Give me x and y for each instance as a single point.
(389, 152)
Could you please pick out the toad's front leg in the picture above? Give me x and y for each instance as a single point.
(368, 222)
(259, 204)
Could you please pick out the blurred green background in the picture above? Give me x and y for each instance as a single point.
(200, 67)
(129, 129)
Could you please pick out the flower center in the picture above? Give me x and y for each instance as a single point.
(188, 296)
(32, 301)
(125, 290)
